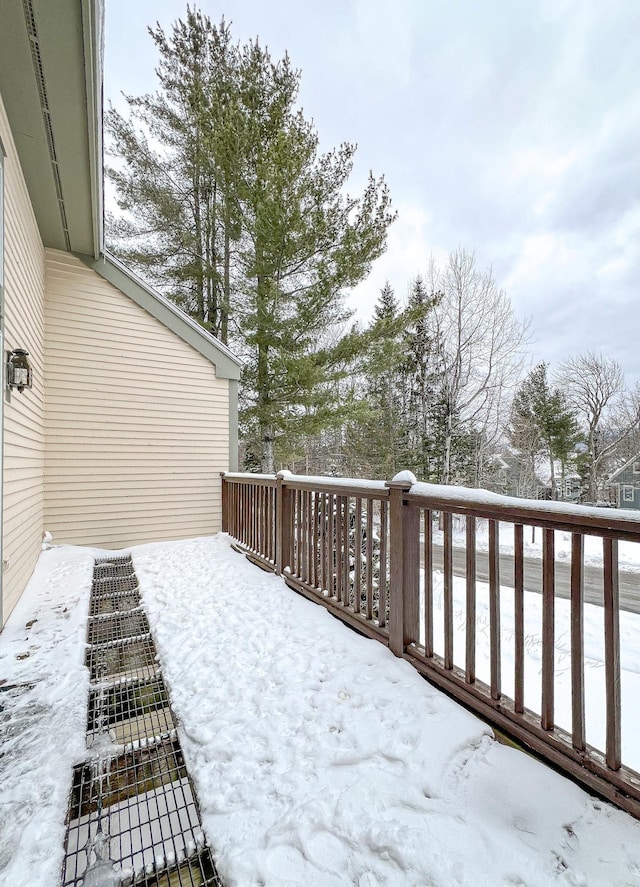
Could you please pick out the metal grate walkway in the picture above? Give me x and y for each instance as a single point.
(133, 816)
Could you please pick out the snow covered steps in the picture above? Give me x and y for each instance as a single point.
(133, 816)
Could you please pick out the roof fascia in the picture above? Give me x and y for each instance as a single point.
(93, 40)
(624, 467)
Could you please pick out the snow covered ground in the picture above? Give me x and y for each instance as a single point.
(594, 671)
(319, 758)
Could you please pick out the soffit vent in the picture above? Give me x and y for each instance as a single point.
(34, 43)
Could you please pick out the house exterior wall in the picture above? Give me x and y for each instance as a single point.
(23, 432)
(627, 483)
(137, 424)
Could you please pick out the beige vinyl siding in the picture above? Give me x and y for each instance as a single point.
(137, 422)
(23, 465)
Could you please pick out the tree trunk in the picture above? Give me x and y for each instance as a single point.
(225, 307)
(263, 388)
(197, 212)
(211, 266)
(554, 491)
(267, 456)
(593, 467)
(446, 465)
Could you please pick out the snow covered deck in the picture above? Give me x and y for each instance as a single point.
(319, 758)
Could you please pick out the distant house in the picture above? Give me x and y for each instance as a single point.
(515, 477)
(132, 410)
(568, 488)
(624, 484)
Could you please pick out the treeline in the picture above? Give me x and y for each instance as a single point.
(230, 208)
(467, 408)
(431, 389)
(448, 391)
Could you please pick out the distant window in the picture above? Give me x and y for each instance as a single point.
(627, 494)
(636, 467)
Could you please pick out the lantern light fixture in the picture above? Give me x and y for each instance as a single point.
(19, 373)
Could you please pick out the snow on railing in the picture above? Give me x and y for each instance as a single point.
(512, 606)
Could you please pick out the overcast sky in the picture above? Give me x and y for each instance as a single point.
(509, 127)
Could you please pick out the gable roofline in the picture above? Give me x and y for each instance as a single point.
(51, 67)
(93, 29)
(624, 467)
(227, 365)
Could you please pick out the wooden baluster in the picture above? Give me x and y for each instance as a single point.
(272, 525)
(304, 565)
(382, 576)
(253, 505)
(357, 556)
(300, 534)
(313, 575)
(470, 576)
(494, 610)
(411, 571)
(310, 540)
(322, 517)
(428, 583)
(577, 642)
(518, 614)
(346, 561)
(339, 546)
(244, 515)
(448, 590)
(548, 629)
(332, 544)
(612, 652)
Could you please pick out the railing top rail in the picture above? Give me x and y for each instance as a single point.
(341, 485)
(461, 500)
(265, 480)
(559, 515)
(345, 486)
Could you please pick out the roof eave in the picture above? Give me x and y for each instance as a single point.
(93, 32)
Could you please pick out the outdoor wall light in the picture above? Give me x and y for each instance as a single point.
(19, 373)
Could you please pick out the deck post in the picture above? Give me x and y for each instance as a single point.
(404, 567)
(283, 523)
(225, 503)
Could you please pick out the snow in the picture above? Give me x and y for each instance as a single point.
(594, 672)
(405, 477)
(42, 721)
(318, 757)
(485, 498)
(337, 483)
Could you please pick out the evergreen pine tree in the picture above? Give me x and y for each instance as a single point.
(542, 421)
(374, 439)
(247, 225)
(420, 383)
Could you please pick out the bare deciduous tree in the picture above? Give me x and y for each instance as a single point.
(480, 343)
(595, 386)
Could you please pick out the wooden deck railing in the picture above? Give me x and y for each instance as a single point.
(380, 556)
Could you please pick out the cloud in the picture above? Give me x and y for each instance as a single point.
(511, 129)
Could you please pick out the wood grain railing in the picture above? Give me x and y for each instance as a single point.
(401, 562)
